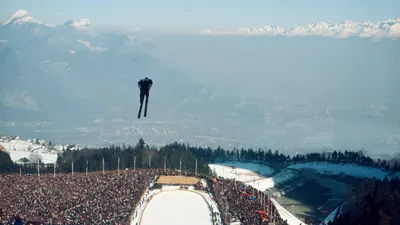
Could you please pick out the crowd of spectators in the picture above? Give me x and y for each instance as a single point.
(95, 198)
(239, 202)
(373, 203)
(111, 198)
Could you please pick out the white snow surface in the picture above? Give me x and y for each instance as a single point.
(247, 174)
(148, 195)
(45, 157)
(20, 17)
(19, 149)
(270, 182)
(348, 169)
(255, 175)
(330, 217)
(244, 172)
(367, 29)
(80, 24)
(286, 215)
(91, 47)
(177, 208)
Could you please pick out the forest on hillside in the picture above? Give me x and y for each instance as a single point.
(143, 156)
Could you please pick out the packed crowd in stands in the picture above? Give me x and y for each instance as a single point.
(374, 203)
(111, 198)
(238, 202)
(77, 199)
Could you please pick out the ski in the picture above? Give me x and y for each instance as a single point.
(145, 109)
(140, 110)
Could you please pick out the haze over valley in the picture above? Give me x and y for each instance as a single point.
(293, 91)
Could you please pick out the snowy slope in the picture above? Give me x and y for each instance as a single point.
(252, 174)
(270, 182)
(244, 172)
(330, 217)
(80, 24)
(286, 215)
(177, 208)
(348, 169)
(20, 18)
(380, 29)
(20, 145)
(259, 182)
(19, 149)
(45, 157)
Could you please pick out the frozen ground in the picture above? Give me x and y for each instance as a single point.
(177, 208)
(348, 169)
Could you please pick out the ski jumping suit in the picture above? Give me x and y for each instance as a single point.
(144, 86)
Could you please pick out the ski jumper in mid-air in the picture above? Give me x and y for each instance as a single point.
(144, 86)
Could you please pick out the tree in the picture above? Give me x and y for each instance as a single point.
(334, 155)
(50, 144)
(37, 141)
(141, 143)
(6, 164)
(34, 158)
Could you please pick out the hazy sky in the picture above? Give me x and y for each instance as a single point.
(199, 14)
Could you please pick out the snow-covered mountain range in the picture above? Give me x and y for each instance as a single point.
(22, 19)
(84, 83)
(367, 29)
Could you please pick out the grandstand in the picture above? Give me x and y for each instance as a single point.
(111, 197)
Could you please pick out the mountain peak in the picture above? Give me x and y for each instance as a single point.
(20, 13)
(79, 24)
(20, 18)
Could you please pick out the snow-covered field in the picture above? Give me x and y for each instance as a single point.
(177, 208)
(20, 145)
(19, 149)
(348, 169)
(244, 172)
(45, 157)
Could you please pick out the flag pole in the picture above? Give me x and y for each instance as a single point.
(134, 163)
(103, 166)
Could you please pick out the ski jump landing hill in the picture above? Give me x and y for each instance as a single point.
(176, 202)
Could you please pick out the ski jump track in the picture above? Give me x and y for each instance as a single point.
(163, 191)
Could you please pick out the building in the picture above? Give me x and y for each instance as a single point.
(15, 138)
(22, 161)
(42, 142)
